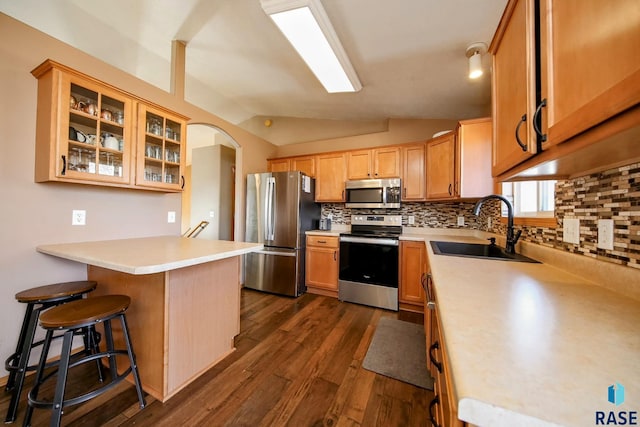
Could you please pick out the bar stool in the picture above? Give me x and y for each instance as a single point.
(38, 300)
(69, 318)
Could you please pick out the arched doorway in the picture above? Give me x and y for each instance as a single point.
(213, 189)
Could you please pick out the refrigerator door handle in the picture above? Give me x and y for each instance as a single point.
(267, 210)
(271, 192)
(263, 252)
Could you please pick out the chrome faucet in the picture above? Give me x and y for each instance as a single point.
(512, 239)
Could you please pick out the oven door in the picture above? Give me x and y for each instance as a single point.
(369, 260)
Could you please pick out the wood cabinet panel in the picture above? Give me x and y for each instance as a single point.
(279, 165)
(322, 259)
(591, 63)
(414, 180)
(473, 158)
(441, 167)
(359, 164)
(413, 265)
(386, 162)
(306, 165)
(331, 173)
(513, 86)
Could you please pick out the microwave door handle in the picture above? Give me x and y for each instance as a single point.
(384, 195)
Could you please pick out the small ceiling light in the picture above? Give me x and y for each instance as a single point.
(474, 53)
(307, 27)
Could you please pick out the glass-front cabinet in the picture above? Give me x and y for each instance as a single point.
(161, 148)
(97, 145)
(93, 133)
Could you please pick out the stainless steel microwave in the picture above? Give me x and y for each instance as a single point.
(373, 193)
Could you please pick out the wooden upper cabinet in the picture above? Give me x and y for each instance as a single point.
(279, 165)
(386, 162)
(413, 172)
(161, 146)
(513, 49)
(90, 132)
(375, 163)
(84, 129)
(331, 173)
(473, 158)
(359, 164)
(590, 53)
(306, 165)
(441, 156)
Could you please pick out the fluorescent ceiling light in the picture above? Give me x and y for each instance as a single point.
(307, 27)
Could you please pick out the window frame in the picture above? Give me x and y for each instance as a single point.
(530, 221)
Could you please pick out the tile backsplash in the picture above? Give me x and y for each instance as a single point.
(612, 194)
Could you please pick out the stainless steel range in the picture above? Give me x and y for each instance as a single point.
(369, 261)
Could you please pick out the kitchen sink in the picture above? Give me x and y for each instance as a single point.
(477, 250)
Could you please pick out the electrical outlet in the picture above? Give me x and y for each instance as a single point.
(78, 217)
(171, 217)
(411, 220)
(460, 220)
(571, 230)
(211, 214)
(605, 234)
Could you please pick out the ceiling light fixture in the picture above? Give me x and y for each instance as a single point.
(307, 27)
(474, 53)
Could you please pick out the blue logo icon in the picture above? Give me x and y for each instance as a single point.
(616, 394)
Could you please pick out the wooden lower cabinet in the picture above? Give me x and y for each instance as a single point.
(443, 408)
(321, 269)
(413, 265)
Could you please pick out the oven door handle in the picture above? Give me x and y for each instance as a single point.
(369, 241)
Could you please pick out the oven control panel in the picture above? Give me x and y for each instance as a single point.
(376, 220)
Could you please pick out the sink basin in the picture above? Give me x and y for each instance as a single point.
(476, 250)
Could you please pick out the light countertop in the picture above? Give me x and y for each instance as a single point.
(531, 344)
(150, 254)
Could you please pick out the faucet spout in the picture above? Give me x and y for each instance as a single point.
(512, 238)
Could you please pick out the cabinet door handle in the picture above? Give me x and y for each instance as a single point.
(518, 140)
(536, 121)
(64, 165)
(335, 255)
(182, 186)
(438, 365)
(405, 192)
(432, 404)
(322, 241)
(343, 195)
(450, 193)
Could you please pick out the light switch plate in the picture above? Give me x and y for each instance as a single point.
(605, 234)
(461, 220)
(78, 217)
(571, 230)
(171, 217)
(411, 220)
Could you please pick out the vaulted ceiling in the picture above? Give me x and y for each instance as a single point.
(408, 54)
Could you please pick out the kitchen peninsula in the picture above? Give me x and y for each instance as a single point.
(185, 300)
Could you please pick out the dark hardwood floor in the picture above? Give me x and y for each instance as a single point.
(297, 363)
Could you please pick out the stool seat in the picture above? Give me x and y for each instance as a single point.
(56, 291)
(80, 313)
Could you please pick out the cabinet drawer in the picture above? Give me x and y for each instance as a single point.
(322, 241)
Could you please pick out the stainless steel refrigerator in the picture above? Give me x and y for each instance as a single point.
(280, 208)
